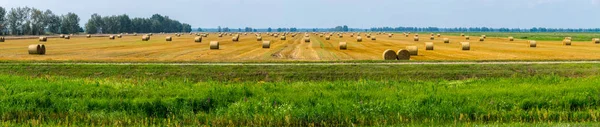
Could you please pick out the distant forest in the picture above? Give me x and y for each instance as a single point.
(395, 29)
(123, 24)
(481, 29)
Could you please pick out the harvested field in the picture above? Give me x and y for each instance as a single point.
(132, 48)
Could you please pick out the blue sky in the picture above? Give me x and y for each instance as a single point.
(330, 13)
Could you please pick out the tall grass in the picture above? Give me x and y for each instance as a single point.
(63, 100)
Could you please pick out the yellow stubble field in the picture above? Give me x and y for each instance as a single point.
(248, 49)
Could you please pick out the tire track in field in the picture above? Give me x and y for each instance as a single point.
(311, 50)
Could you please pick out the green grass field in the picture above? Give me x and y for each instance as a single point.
(309, 95)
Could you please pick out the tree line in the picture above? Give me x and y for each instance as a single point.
(345, 28)
(480, 29)
(32, 21)
(124, 24)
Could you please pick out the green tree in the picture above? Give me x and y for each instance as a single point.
(70, 23)
(124, 24)
(38, 22)
(17, 20)
(2, 20)
(94, 24)
(345, 28)
(52, 22)
(186, 28)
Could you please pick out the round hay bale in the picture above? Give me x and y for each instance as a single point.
(511, 39)
(119, 36)
(88, 36)
(413, 50)
(403, 54)
(214, 45)
(358, 39)
(2, 39)
(568, 38)
(62, 36)
(220, 35)
(390, 55)
(145, 38)
(532, 44)
(36, 49)
(484, 37)
(67, 37)
(462, 34)
(467, 38)
(390, 35)
(416, 38)
(168, 38)
(33, 49)
(43, 39)
(406, 35)
(306, 39)
(341, 36)
(43, 49)
(596, 40)
(205, 35)
(373, 38)
(428, 45)
(198, 39)
(416, 35)
(465, 45)
(432, 38)
(259, 38)
(266, 44)
(343, 46)
(283, 37)
(446, 40)
(368, 35)
(111, 37)
(439, 35)
(567, 42)
(481, 39)
(327, 37)
(135, 34)
(150, 34)
(235, 38)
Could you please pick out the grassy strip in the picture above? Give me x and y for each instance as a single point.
(241, 73)
(279, 61)
(49, 100)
